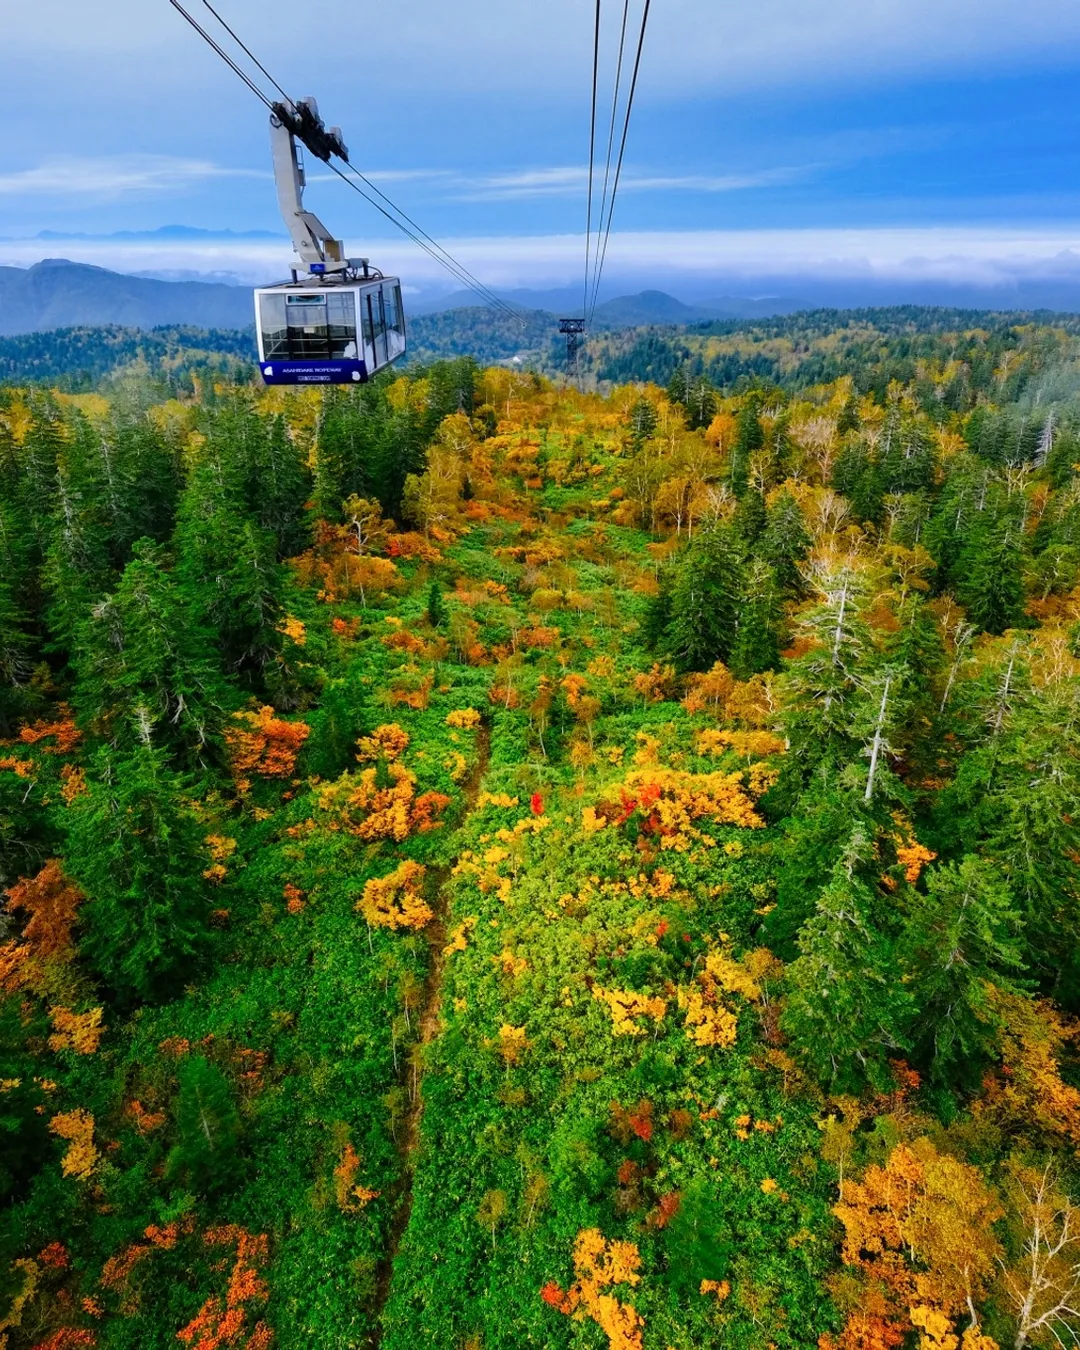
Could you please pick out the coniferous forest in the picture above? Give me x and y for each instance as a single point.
(487, 865)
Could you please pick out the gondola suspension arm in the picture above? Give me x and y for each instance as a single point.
(316, 247)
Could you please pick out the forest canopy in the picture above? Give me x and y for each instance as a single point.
(487, 865)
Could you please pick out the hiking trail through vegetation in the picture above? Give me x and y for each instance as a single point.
(412, 1076)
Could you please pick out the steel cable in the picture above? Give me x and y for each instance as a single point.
(433, 249)
(622, 151)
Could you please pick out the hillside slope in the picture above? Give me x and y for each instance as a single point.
(61, 294)
(488, 866)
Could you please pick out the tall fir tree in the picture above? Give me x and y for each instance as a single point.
(785, 544)
(960, 938)
(705, 601)
(143, 660)
(990, 581)
(137, 850)
(749, 438)
(204, 1159)
(848, 1009)
(761, 615)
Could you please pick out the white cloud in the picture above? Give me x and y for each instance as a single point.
(115, 176)
(997, 258)
(572, 181)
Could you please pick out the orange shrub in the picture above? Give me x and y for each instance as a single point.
(267, 746)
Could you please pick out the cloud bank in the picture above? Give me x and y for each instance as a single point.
(911, 262)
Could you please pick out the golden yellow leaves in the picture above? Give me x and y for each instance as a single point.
(510, 964)
(913, 857)
(295, 630)
(708, 1021)
(599, 1264)
(707, 1024)
(937, 1332)
(669, 804)
(78, 1032)
(51, 902)
(459, 940)
(388, 742)
(394, 901)
(625, 1006)
(372, 812)
(720, 1288)
(77, 1127)
(1031, 1091)
(746, 744)
(221, 848)
(31, 1273)
(464, 719)
(922, 1225)
(511, 1043)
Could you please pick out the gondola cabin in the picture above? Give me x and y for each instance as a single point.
(316, 332)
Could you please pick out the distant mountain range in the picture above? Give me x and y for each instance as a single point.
(61, 294)
(628, 311)
(57, 293)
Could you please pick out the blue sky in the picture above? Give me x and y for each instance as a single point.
(773, 142)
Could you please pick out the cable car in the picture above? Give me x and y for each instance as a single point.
(341, 321)
(331, 334)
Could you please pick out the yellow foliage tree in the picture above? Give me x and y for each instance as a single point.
(599, 1264)
(394, 901)
(77, 1127)
(625, 1006)
(920, 1228)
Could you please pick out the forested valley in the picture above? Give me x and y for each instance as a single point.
(489, 865)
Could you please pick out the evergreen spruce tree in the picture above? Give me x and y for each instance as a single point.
(37, 465)
(231, 579)
(848, 1009)
(16, 658)
(280, 485)
(960, 937)
(204, 1158)
(658, 613)
(136, 849)
(705, 601)
(824, 684)
(849, 419)
(679, 387)
(700, 403)
(757, 642)
(785, 543)
(25, 1144)
(990, 578)
(437, 613)
(642, 423)
(749, 437)
(143, 659)
(76, 570)
(750, 518)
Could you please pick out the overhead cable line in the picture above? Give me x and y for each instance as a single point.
(622, 150)
(592, 158)
(432, 249)
(223, 54)
(405, 224)
(249, 53)
(611, 134)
